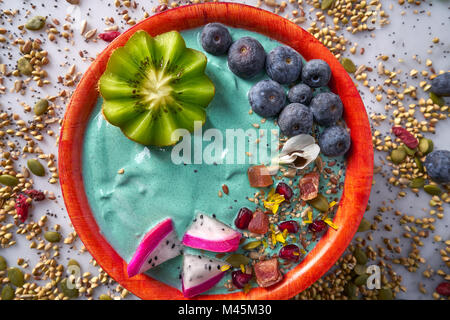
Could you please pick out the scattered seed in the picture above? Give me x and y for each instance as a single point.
(40, 107)
(52, 236)
(36, 167)
(35, 23)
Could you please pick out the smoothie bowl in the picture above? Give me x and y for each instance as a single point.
(169, 222)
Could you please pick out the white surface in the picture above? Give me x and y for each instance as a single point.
(407, 35)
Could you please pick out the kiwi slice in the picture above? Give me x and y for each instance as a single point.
(153, 86)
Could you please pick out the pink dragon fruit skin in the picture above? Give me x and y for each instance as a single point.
(159, 245)
(209, 234)
(200, 273)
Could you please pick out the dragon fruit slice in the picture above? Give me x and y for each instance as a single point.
(159, 245)
(210, 234)
(200, 273)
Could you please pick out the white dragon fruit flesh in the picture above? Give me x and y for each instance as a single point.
(159, 245)
(212, 235)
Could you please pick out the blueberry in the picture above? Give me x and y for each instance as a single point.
(316, 73)
(295, 119)
(267, 98)
(327, 108)
(441, 85)
(283, 64)
(246, 57)
(334, 141)
(438, 165)
(216, 38)
(300, 93)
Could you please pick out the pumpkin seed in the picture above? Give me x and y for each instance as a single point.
(320, 203)
(348, 65)
(417, 182)
(3, 263)
(432, 189)
(40, 107)
(398, 155)
(252, 245)
(36, 167)
(9, 180)
(24, 66)
(350, 290)
(104, 297)
(35, 23)
(360, 256)
(237, 259)
(361, 279)
(15, 276)
(426, 145)
(385, 294)
(409, 151)
(70, 293)
(437, 99)
(418, 164)
(364, 225)
(359, 269)
(52, 236)
(326, 4)
(8, 292)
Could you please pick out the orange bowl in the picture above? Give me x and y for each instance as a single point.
(358, 178)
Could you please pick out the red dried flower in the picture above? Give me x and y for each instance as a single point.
(407, 138)
(109, 36)
(22, 206)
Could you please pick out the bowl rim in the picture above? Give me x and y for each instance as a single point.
(359, 170)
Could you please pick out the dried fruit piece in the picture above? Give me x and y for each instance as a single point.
(290, 252)
(259, 176)
(443, 289)
(406, 137)
(291, 226)
(243, 218)
(22, 206)
(36, 195)
(240, 279)
(109, 36)
(153, 86)
(320, 203)
(259, 223)
(267, 272)
(309, 186)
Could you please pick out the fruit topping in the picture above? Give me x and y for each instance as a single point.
(215, 38)
(334, 141)
(295, 119)
(290, 252)
(407, 137)
(300, 93)
(159, 245)
(246, 57)
(441, 85)
(201, 273)
(243, 218)
(317, 226)
(22, 206)
(153, 86)
(259, 176)
(327, 108)
(283, 64)
(284, 190)
(259, 223)
(210, 234)
(316, 73)
(267, 272)
(443, 289)
(109, 36)
(309, 186)
(438, 165)
(240, 279)
(267, 98)
(291, 226)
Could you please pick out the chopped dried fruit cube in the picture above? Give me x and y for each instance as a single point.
(259, 223)
(309, 186)
(267, 272)
(259, 176)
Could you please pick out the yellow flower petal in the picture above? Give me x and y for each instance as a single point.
(331, 224)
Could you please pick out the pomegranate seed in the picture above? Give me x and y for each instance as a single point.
(243, 218)
(290, 252)
(36, 195)
(240, 279)
(317, 226)
(109, 36)
(291, 226)
(22, 206)
(443, 289)
(284, 190)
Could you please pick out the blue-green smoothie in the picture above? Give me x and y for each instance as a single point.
(127, 205)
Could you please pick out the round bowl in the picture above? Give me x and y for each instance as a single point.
(358, 179)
